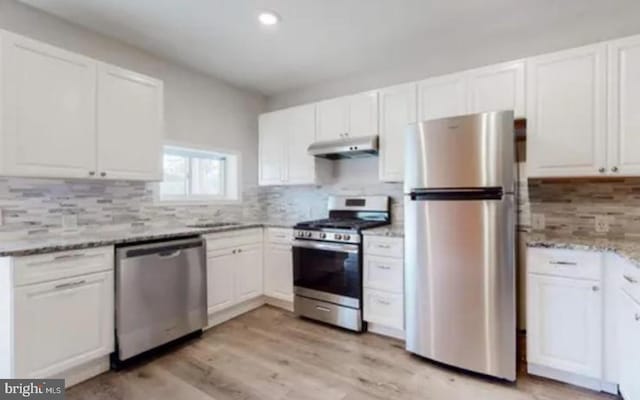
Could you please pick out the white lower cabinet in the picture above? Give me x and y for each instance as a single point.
(565, 324)
(629, 324)
(58, 314)
(234, 268)
(383, 277)
(278, 264)
(75, 315)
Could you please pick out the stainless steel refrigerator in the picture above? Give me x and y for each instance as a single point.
(460, 304)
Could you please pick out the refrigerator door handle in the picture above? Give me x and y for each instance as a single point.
(446, 194)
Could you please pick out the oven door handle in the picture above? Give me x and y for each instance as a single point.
(345, 248)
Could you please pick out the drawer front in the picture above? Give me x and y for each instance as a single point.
(384, 246)
(384, 273)
(279, 235)
(566, 263)
(384, 308)
(225, 240)
(631, 280)
(64, 264)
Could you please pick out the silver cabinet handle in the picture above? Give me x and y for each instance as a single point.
(614, 169)
(170, 254)
(563, 263)
(92, 173)
(324, 309)
(383, 246)
(68, 256)
(630, 279)
(383, 302)
(233, 251)
(601, 170)
(239, 250)
(595, 288)
(70, 284)
(385, 267)
(103, 174)
(637, 317)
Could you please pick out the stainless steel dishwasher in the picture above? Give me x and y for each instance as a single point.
(161, 294)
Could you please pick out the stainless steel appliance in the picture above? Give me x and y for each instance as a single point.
(161, 294)
(459, 242)
(327, 260)
(356, 147)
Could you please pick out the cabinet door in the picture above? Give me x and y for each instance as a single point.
(442, 97)
(332, 121)
(398, 109)
(248, 269)
(48, 107)
(221, 265)
(498, 87)
(301, 128)
(624, 107)
(130, 125)
(564, 327)
(566, 107)
(272, 139)
(278, 272)
(629, 327)
(363, 114)
(62, 324)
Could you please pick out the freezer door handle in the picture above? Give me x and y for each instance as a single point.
(448, 194)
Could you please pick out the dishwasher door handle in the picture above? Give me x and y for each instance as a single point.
(169, 254)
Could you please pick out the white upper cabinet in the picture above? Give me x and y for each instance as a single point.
(48, 110)
(64, 115)
(566, 113)
(398, 109)
(284, 137)
(272, 139)
(300, 166)
(130, 118)
(332, 119)
(442, 97)
(624, 106)
(349, 116)
(498, 87)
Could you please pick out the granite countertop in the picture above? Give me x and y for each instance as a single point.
(107, 236)
(387, 230)
(627, 248)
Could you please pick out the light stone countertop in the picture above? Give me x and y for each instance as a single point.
(386, 230)
(107, 236)
(627, 248)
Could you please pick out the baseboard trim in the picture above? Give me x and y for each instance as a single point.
(234, 311)
(385, 331)
(279, 303)
(573, 379)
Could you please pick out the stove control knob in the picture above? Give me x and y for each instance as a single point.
(338, 236)
(308, 234)
(300, 233)
(323, 236)
(347, 237)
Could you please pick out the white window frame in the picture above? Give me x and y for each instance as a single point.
(231, 179)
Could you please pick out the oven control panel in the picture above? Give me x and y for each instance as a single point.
(343, 237)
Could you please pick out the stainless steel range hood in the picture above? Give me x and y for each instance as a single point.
(358, 147)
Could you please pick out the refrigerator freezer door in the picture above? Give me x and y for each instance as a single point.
(460, 283)
(461, 152)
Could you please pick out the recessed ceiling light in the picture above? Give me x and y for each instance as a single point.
(268, 18)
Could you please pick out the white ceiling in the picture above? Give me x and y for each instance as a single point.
(324, 40)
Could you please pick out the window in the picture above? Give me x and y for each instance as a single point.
(198, 175)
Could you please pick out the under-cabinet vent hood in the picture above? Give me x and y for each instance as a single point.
(357, 147)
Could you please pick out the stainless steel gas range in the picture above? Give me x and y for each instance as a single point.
(327, 260)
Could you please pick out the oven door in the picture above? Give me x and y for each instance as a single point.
(328, 271)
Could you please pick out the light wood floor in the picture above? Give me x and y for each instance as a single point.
(270, 354)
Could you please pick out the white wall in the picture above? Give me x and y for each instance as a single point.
(199, 108)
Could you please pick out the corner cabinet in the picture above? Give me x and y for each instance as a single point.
(64, 115)
(284, 137)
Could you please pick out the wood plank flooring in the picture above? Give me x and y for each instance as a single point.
(269, 354)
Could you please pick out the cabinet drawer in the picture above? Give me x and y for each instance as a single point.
(64, 264)
(383, 246)
(384, 308)
(631, 280)
(567, 263)
(384, 273)
(279, 235)
(225, 240)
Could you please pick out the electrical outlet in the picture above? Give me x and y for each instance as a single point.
(602, 223)
(537, 222)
